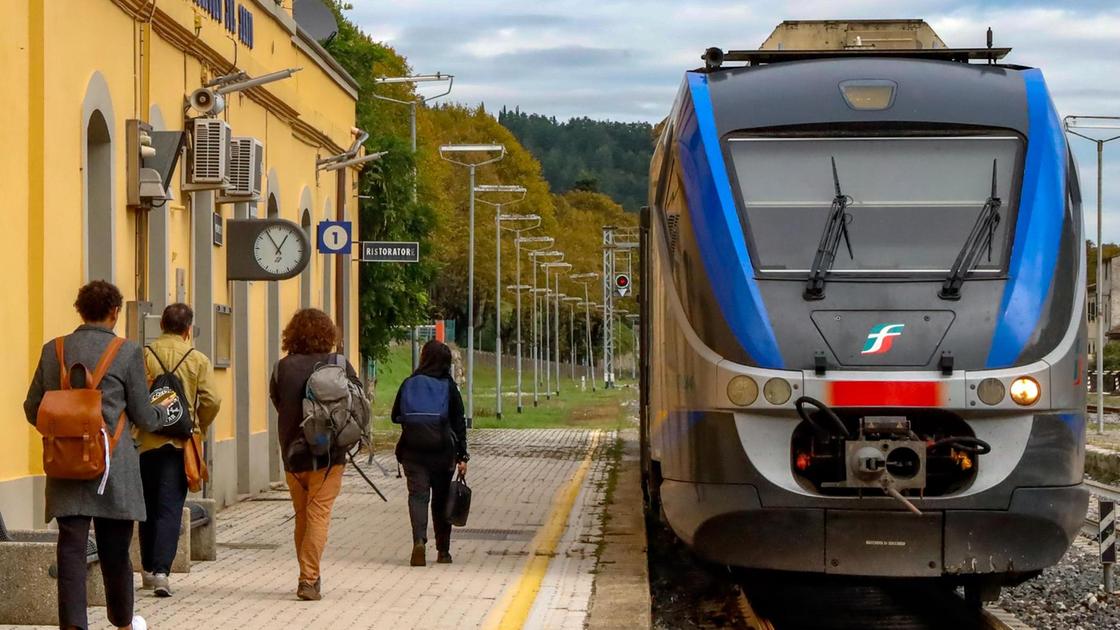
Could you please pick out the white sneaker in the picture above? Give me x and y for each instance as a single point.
(147, 579)
(161, 584)
(138, 623)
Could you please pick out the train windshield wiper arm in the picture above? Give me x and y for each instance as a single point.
(834, 228)
(982, 234)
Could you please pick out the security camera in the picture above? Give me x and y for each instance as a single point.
(713, 58)
(207, 101)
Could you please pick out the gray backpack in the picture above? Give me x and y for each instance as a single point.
(335, 410)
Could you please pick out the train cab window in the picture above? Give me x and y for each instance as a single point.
(912, 201)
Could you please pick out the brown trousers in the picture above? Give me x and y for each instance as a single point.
(313, 495)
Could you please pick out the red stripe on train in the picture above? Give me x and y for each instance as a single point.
(885, 394)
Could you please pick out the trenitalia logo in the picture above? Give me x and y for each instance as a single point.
(881, 337)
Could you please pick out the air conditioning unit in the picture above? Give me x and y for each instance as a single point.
(246, 167)
(210, 145)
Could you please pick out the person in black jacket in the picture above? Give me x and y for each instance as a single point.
(433, 444)
(314, 482)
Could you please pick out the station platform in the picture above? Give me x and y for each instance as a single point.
(529, 557)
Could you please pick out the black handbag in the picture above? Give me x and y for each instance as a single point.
(459, 502)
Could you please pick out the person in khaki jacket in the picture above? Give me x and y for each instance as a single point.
(161, 457)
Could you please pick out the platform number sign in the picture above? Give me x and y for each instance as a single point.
(622, 284)
(1108, 531)
(334, 237)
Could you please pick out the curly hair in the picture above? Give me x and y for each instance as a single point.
(311, 331)
(97, 300)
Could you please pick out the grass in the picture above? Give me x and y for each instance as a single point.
(601, 409)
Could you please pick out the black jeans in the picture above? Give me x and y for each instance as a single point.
(113, 540)
(429, 483)
(165, 491)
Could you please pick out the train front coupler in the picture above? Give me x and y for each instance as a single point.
(884, 456)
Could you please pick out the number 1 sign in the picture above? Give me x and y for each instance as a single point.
(334, 237)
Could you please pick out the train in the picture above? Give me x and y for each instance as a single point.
(863, 341)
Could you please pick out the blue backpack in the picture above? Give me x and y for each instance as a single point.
(424, 421)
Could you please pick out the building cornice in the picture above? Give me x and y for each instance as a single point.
(185, 41)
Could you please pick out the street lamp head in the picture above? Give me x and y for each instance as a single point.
(472, 148)
(557, 265)
(419, 78)
(1092, 122)
(536, 239)
(519, 217)
(552, 253)
(539, 291)
(573, 300)
(584, 277)
(498, 188)
(518, 287)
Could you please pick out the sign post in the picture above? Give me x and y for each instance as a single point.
(390, 251)
(1108, 540)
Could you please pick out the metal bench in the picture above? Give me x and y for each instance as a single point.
(28, 577)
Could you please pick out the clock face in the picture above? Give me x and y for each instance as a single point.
(278, 250)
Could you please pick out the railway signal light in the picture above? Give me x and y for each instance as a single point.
(622, 284)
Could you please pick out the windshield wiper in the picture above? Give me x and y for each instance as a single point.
(835, 228)
(983, 233)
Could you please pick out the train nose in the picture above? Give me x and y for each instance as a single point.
(895, 338)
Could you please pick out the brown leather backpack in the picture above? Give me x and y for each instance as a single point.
(76, 441)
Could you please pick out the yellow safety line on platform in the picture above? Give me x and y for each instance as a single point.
(516, 603)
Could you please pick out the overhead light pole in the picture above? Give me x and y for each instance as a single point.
(541, 329)
(498, 219)
(412, 105)
(1110, 124)
(452, 153)
(586, 279)
(572, 301)
(519, 242)
(555, 316)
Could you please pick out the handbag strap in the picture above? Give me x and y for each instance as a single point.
(60, 352)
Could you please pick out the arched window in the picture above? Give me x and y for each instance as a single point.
(99, 198)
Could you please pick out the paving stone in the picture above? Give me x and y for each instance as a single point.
(367, 583)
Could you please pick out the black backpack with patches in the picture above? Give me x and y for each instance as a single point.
(179, 422)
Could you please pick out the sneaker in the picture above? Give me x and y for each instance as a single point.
(418, 555)
(161, 584)
(444, 557)
(307, 592)
(146, 579)
(319, 586)
(138, 623)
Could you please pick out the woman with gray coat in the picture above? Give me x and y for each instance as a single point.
(75, 503)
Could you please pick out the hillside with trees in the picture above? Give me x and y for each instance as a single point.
(591, 155)
(396, 296)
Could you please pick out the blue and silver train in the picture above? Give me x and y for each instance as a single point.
(864, 336)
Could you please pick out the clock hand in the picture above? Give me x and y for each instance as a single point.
(286, 237)
(269, 234)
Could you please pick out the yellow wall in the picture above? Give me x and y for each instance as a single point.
(14, 60)
(51, 50)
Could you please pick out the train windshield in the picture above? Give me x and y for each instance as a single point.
(912, 200)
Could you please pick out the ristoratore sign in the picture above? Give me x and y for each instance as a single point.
(390, 251)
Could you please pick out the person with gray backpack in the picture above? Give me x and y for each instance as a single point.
(322, 414)
(432, 447)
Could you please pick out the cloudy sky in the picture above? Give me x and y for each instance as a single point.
(623, 60)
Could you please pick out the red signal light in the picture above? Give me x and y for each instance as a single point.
(622, 281)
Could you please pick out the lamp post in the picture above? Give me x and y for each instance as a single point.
(498, 218)
(537, 291)
(1111, 123)
(572, 302)
(518, 243)
(412, 105)
(471, 149)
(585, 279)
(556, 295)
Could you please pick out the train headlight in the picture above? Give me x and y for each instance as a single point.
(990, 391)
(1025, 391)
(777, 391)
(742, 390)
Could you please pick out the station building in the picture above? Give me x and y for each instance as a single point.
(77, 72)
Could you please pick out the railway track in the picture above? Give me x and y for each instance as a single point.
(832, 605)
(1091, 408)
